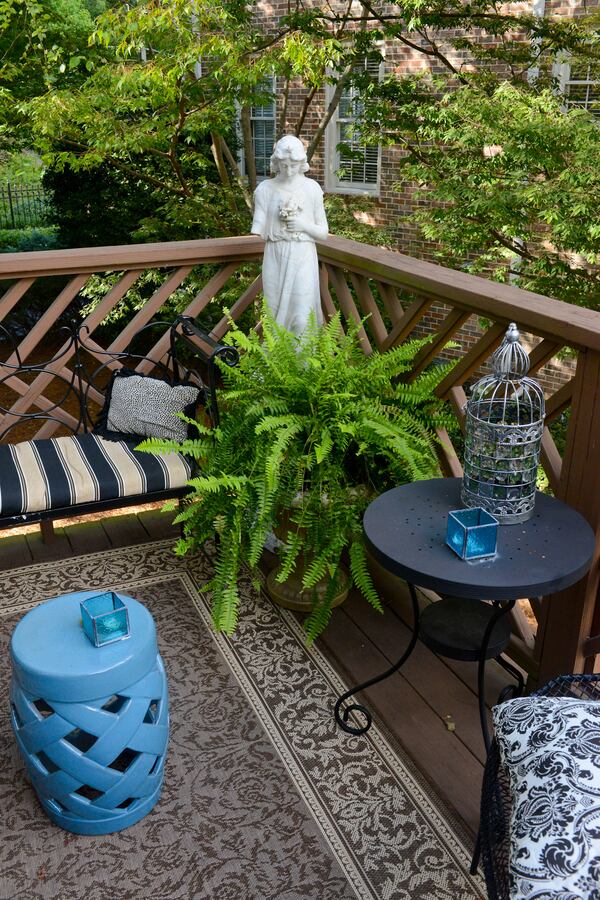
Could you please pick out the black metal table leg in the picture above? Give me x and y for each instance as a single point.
(511, 690)
(342, 719)
(501, 610)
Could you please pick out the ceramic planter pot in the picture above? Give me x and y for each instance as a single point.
(290, 594)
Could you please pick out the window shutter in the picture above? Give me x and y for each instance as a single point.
(357, 164)
(262, 122)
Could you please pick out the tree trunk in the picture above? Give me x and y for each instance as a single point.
(248, 147)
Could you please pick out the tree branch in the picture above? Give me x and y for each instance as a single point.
(173, 158)
(236, 173)
(248, 146)
(437, 53)
(218, 158)
(308, 98)
(283, 113)
(341, 84)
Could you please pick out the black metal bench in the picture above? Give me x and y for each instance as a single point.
(51, 477)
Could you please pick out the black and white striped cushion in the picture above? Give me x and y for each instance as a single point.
(83, 468)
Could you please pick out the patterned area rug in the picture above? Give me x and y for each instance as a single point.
(263, 797)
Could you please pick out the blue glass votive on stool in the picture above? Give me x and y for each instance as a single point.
(104, 618)
(472, 533)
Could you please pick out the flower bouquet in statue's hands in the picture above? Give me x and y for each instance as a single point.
(290, 208)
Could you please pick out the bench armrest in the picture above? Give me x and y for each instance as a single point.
(208, 349)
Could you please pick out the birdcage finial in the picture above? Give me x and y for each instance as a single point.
(510, 360)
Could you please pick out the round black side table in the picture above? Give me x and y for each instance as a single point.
(405, 530)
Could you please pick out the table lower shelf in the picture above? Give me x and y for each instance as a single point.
(454, 627)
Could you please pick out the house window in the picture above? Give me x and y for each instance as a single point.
(352, 167)
(580, 86)
(262, 125)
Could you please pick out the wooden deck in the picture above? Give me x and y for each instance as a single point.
(416, 705)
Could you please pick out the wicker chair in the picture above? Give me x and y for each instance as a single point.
(495, 795)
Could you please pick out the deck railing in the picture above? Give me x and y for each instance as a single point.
(398, 294)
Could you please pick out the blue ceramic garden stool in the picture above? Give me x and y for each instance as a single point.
(92, 723)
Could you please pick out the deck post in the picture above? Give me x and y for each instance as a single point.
(569, 618)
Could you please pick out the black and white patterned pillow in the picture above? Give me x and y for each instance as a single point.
(146, 407)
(551, 749)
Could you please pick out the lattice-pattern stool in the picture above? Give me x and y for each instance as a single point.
(92, 723)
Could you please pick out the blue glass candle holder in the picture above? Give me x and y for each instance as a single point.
(104, 618)
(472, 533)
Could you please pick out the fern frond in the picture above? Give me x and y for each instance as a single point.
(317, 569)
(320, 615)
(361, 576)
(272, 423)
(289, 555)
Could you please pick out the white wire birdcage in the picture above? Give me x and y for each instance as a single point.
(504, 427)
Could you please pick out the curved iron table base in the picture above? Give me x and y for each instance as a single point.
(483, 718)
(342, 719)
(342, 713)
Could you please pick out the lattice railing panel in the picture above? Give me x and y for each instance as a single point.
(38, 393)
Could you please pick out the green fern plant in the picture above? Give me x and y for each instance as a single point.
(309, 432)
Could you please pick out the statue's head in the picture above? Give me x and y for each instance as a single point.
(289, 146)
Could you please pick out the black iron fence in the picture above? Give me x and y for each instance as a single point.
(22, 205)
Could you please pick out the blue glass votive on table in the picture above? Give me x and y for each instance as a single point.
(472, 533)
(104, 618)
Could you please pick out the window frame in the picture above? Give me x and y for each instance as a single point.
(562, 71)
(253, 119)
(333, 161)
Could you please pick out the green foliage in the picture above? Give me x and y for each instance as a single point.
(511, 180)
(38, 40)
(146, 96)
(23, 167)
(22, 240)
(150, 110)
(96, 208)
(309, 432)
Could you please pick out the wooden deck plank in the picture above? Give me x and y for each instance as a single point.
(439, 754)
(158, 524)
(123, 531)
(87, 537)
(55, 549)
(14, 552)
(424, 671)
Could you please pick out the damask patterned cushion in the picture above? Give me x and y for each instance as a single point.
(551, 749)
(146, 407)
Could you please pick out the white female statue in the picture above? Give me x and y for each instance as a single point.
(289, 216)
